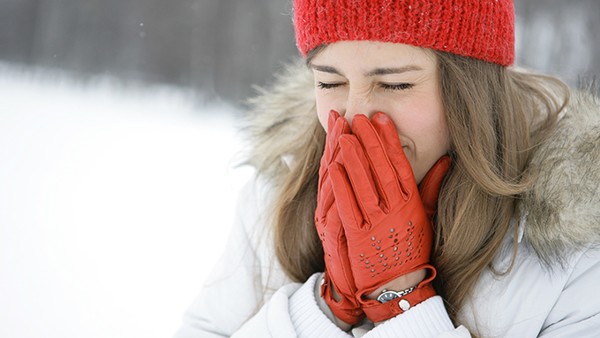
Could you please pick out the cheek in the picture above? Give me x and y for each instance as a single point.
(444, 137)
(441, 134)
(322, 115)
(323, 106)
(425, 136)
(434, 137)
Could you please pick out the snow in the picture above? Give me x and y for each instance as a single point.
(114, 202)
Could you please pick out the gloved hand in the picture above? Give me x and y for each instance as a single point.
(429, 188)
(387, 227)
(338, 274)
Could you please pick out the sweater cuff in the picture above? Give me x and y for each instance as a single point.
(308, 319)
(426, 319)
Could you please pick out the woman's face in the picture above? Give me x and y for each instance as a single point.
(364, 77)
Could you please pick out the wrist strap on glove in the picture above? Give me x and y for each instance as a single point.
(379, 312)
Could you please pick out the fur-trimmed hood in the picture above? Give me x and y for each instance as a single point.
(562, 211)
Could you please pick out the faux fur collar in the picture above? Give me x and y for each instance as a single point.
(562, 211)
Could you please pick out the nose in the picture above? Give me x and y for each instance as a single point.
(358, 103)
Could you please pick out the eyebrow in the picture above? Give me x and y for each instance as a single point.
(387, 71)
(325, 69)
(374, 72)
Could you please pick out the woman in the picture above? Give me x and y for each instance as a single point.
(450, 196)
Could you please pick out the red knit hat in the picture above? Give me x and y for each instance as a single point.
(481, 29)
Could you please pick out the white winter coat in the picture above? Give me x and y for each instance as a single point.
(551, 291)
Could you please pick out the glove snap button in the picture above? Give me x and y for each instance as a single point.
(404, 304)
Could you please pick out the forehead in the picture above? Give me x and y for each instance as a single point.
(369, 54)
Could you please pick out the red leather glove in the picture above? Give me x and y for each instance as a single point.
(429, 188)
(338, 273)
(387, 227)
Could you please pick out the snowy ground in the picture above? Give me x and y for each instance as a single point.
(114, 201)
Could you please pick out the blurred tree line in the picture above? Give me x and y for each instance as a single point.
(222, 47)
(219, 47)
(559, 37)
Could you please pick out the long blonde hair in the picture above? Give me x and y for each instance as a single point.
(496, 117)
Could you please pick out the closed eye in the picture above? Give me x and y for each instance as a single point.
(386, 86)
(324, 85)
(396, 86)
